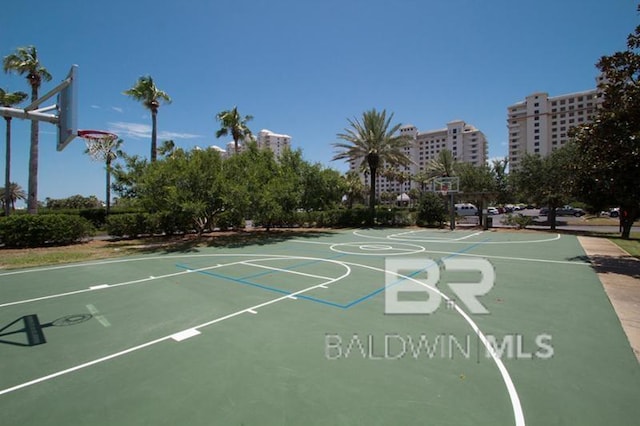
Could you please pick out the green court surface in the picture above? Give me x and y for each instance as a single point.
(301, 331)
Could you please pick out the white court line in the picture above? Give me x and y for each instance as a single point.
(170, 336)
(96, 314)
(288, 271)
(142, 280)
(460, 240)
(515, 401)
(484, 256)
(185, 334)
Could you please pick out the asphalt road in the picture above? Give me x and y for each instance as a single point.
(569, 223)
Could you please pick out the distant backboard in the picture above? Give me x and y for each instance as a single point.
(446, 185)
(67, 110)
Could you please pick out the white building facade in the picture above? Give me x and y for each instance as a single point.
(540, 123)
(466, 143)
(266, 140)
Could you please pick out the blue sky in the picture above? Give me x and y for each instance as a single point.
(300, 67)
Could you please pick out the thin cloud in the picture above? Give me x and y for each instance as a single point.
(95, 106)
(117, 109)
(143, 131)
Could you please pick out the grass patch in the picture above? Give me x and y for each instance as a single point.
(101, 249)
(631, 246)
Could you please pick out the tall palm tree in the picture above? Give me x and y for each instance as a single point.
(233, 123)
(15, 193)
(373, 143)
(443, 165)
(9, 99)
(354, 187)
(105, 150)
(145, 91)
(25, 61)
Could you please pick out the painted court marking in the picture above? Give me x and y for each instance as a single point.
(380, 250)
(96, 314)
(178, 336)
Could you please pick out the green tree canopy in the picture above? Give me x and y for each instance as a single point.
(25, 61)
(145, 91)
(373, 142)
(547, 181)
(608, 149)
(9, 99)
(231, 122)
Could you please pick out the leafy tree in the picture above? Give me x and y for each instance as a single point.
(25, 61)
(444, 165)
(502, 186)
(187, 184)
(354, 188)
(608, 149)
(145, 91)
(233, 123)
(372, 142)
(252, 196)
(106, 150)
(127, 176)
(74, 202)
(14, 194)
(477, 183)
(547, 181)
(9, 99)
(431, 210)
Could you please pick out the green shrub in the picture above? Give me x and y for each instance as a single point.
(130, 225)
(519, 220)
(431, 210)
(41, 230)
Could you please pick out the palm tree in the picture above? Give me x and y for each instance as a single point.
(14, 194)
(443, 165)
(232, 123)
(373, 143)
(354, 186)
(25, 61)
(8, 99)
(146, 92)
(106, 150)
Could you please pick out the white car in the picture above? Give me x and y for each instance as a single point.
(466, 209)
(492, 210)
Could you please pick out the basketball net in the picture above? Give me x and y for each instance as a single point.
(444, 189)
(99, 144)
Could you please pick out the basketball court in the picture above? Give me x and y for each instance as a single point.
(298, 331)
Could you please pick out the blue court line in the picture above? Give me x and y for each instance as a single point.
(244, 281)
(292, 267)
(411, 275)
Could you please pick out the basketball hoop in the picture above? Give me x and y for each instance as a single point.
(444, 190)
(99, 143)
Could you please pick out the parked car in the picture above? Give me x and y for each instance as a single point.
(614, 212)
(569, 211)
(466, 209)
(563, 211)
(492, 210)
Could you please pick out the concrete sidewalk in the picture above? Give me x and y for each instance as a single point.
(619, 274)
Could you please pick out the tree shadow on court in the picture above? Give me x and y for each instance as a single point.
(235, 239)
(627, 265)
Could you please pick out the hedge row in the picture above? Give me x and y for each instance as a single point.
(97, 216)
(42, 230)
(136, 224)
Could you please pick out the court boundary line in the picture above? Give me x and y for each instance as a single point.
(515, 401)
(155, 341)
